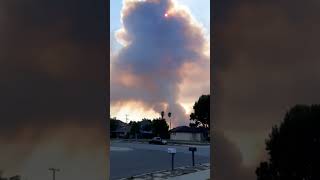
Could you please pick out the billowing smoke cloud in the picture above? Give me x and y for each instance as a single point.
(161, 43)
(227, 160)
(266, 59)
(52, 73)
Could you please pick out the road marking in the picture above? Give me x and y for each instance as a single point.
(120, 149)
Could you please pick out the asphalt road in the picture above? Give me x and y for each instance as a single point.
(129, 159)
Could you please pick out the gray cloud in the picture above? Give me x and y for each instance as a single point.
(228, 163)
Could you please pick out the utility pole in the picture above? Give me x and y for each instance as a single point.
(169, 115)
(54, 170)
(127, 118)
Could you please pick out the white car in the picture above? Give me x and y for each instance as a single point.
(157, 140)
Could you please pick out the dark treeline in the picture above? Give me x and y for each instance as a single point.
(294, 147)
(146, 128)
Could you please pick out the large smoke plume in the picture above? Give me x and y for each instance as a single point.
(162, 42)
(52, 73)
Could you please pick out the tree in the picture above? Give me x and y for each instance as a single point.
(193, 125)
(162, 114)
(135, 128)
(146, 124)
(294, 147)
(169, 115)
(264, 171)
(201, 114)
(113, 124)
(160, 128)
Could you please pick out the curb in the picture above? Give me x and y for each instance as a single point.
(169, 143)
(165, 174)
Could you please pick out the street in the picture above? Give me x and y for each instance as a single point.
(129, 159)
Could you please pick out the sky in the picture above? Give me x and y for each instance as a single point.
(187, 76)
(266, 60)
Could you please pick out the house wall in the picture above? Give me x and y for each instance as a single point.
(186, 136)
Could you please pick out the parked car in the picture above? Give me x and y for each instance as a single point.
(157, 140)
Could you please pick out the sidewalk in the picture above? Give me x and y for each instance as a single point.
(170, 142)
(199, 172)
(200, 175)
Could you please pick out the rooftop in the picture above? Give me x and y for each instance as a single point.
(189, 129)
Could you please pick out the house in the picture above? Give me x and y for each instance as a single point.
(145, 131)
(146, 134)
(120, 129)
(185, 133)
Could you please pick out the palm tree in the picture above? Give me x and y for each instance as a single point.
(169, 115)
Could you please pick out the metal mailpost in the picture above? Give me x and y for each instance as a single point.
(172, 151)
(192, 149)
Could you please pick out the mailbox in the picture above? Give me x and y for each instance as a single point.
(172, 150)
